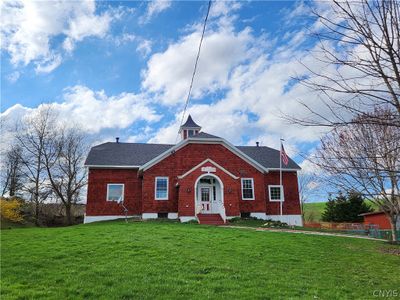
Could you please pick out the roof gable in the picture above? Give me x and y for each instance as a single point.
(204, 140)
(208, 160)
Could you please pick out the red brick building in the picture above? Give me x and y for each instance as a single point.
(203, 177)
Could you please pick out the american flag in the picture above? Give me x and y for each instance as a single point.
(284, 157)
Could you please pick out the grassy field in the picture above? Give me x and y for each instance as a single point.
(313, 211)
(150, 260)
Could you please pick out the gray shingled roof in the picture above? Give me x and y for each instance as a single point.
(137, 154)
(190, 123)
(266, 156)
(124, 154)
(205, 135)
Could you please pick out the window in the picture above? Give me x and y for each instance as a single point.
(245, 215)
(190, 133)
(162, 215)
(161, 192)
(247, 189)
(115, 192)
(206, 180)
(276, 193)
(214, 193)
(205, 194)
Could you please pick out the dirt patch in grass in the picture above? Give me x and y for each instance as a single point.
(393, 251)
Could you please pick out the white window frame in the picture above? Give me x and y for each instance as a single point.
(123, 192)
(252, 187)
(282, 193)
(155, 187)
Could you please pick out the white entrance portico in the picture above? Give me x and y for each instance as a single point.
(209, 195)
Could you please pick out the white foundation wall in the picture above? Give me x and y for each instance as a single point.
(187, 219)
(172, 216)
(295, 220)
(91, 219)
(146, 216)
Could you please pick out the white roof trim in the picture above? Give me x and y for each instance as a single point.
(195, 140)
(112, 167)
(189, 128)
(284, 170)
(210, 161)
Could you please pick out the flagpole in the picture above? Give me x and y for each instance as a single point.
(280, 179)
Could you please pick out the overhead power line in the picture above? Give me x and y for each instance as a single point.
(195, 68)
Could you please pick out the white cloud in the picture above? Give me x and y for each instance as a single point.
(49, 64)
(254, 83)
(144, 47)
(94, 111)
(124, 39)
(223, 8)
(13, 77)
(28, 29)
(153, 9)
(168, 73)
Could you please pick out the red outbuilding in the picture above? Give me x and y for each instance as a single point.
(378, 218)
(203, 177)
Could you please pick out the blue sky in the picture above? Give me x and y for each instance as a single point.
(123, 68)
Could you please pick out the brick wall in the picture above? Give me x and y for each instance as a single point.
(97, 205)
(191, 155)
(291, 205)
(139, 192)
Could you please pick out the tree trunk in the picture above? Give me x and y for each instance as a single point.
(36, 213)
(68, 214)
(393, 221)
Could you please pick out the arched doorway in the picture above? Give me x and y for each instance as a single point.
(209, 194)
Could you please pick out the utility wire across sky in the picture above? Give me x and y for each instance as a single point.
(194, 69)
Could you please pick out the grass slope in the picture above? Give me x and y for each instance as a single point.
(150, 260)
(313, 211)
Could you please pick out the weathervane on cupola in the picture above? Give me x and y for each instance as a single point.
(190, 128)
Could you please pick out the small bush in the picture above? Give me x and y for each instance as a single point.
(275, 224)
(235, 219)
(311, 217)
(11, 209)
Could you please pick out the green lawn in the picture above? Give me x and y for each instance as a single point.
(149, 260)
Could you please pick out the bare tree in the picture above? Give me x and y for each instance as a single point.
(365, 157)
(12, 177)
(359, 49)
(307, 184)
(32, 136)
(357, 80)
(63, 158)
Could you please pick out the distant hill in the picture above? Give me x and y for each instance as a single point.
(313, 211)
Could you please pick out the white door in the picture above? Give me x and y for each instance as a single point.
(205, 196)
